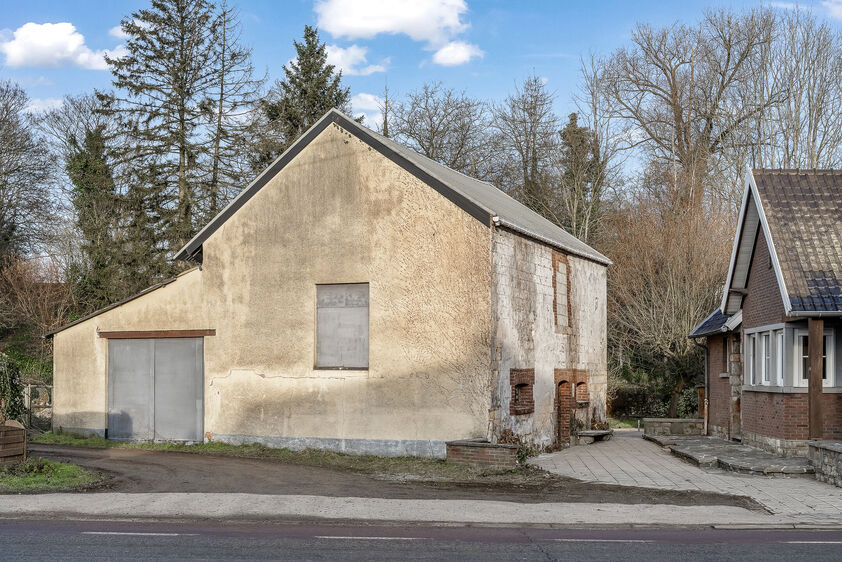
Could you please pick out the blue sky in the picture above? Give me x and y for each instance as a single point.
(480, 46)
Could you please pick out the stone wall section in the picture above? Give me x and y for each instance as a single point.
(826, 458)
(527, 335)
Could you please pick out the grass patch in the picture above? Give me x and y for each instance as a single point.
(42, 475)
(391, 468)
(617, 423)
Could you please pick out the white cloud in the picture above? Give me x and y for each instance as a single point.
(368, 106)
(834, 8)
(366, 102)
(433, 21)
(456, 53)
(352, 60)
(37, 105)
(117, 31)
(52, 45)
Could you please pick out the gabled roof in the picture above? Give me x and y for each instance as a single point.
(480, 199)
(717, 323)
(800, 214)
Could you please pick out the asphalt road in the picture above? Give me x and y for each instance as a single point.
(139, 471)
(100, 540)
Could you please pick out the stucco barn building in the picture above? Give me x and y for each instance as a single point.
(774, 359)
(359, 297)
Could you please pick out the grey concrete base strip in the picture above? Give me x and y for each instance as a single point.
(378, 447)
(266, 507)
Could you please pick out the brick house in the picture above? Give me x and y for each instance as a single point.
(774, 360)
(359, 297)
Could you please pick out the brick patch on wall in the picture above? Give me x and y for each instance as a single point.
(566, 381)
(522, 398)
(559, 259)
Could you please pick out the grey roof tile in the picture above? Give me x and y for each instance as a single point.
(803, 210)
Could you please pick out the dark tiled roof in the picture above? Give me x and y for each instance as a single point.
(711, 325)
(803, 210)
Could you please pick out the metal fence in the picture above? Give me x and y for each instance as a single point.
(38, 401)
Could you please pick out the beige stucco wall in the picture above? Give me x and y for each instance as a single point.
(340, 212)
(526, 336)
(80, 356)
(453, 303)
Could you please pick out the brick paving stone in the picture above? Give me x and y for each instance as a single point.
(629, 460)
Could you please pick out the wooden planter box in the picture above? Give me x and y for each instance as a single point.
(12, 443)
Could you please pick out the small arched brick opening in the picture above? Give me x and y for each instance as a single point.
(582, 395)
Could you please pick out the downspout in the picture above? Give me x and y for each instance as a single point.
(707, 386)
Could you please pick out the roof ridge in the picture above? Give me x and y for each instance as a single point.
(823, 171)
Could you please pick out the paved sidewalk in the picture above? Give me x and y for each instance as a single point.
(293, 507)
(629, 460)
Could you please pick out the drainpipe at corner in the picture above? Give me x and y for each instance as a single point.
(707, 389)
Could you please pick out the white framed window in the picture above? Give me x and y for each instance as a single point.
(765, 357)
(751, 358)
(779, 357)
(802, 370)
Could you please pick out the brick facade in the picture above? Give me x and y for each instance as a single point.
(719, 387)
(763, 304)
(780, 421)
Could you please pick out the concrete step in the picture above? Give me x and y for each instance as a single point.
(586, 437)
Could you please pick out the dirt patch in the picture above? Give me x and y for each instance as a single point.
(140, 471)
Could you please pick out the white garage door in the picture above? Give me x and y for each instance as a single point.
(155, 389)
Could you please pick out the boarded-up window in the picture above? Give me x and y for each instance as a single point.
(342, 326)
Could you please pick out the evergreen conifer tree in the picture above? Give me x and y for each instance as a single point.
(97, 206)
(309, 89)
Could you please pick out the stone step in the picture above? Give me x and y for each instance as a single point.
(710, 452)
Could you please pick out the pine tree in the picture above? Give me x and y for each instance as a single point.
(309, 89)
(164, 77)
(582, 179)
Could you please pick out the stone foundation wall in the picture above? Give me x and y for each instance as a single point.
(718, 431)
(826, 457)
(673, 426)
(785, 447)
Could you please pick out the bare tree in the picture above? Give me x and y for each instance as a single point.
(35, 292)
(446, 126)
(677, 89)
(668, 272)
(527, 134)
(229, 111)
(26, 205)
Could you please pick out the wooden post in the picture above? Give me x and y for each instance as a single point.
(815, 330)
